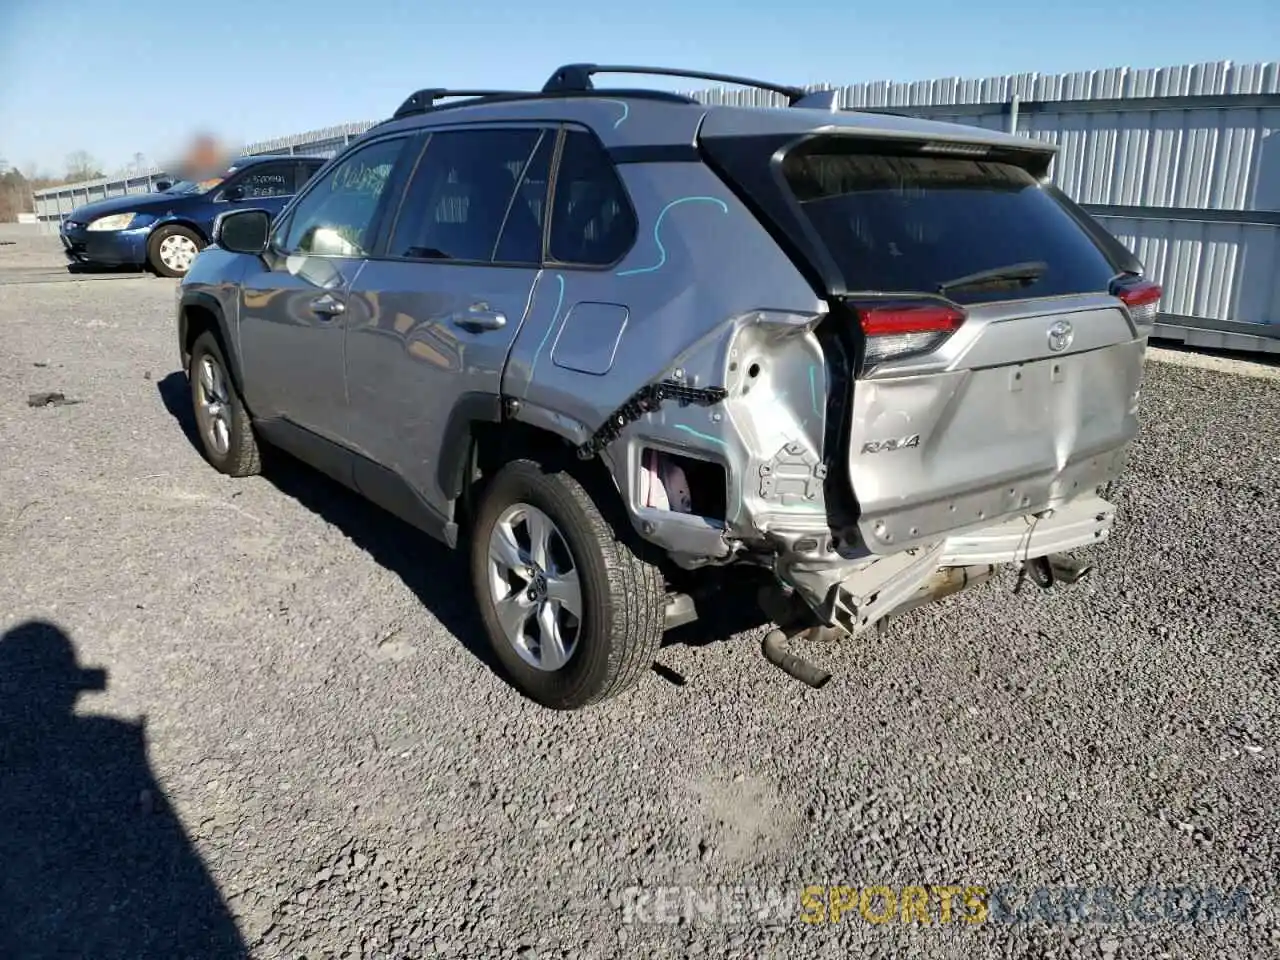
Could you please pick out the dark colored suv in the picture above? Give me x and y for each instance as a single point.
(630, 351)
(165, 230)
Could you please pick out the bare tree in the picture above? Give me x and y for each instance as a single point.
(15, 194)
(82, 166)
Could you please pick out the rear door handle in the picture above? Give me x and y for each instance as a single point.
(477, 321)
(328, 306)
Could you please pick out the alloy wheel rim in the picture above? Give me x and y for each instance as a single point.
(213, 403)
(177, 252)
(535, 588)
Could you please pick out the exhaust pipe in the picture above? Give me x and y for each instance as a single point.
(944, 583)
(1055, 568)
(776, 652)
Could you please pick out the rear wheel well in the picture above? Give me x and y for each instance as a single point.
(493, 445)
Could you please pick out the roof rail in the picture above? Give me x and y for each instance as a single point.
(424, 100)
(577, 77)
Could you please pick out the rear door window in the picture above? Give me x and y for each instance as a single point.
(477, 196)
(911, 222)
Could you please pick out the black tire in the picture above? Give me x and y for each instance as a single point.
(158, 237)
(623, 596)
(241, 457)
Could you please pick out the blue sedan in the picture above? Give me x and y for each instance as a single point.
(166, 230)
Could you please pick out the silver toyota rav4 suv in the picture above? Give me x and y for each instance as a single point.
(620, 347)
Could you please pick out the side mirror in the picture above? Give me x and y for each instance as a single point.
(243, 231)
(160, 186)
(233, 193)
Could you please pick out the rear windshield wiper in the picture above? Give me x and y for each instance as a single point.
(1028, 271)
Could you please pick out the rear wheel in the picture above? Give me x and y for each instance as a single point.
(172, 249)
(573, 614)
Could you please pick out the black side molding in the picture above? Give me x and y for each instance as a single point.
(379, 485)
(389, 490)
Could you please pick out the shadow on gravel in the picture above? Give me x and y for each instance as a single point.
(90, 269)
(435, 574)
(95, 861)
(175, 394)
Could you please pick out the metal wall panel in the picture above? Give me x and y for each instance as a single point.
(1218, 271)
(1221, 158)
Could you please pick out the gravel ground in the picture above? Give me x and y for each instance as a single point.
(301, 750)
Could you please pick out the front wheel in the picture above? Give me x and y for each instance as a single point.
(226, 432)
(573, 614)
(172, 249)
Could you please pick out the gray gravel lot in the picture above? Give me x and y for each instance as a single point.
(329, 767)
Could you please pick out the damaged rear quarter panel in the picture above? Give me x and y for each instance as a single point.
(707, 294)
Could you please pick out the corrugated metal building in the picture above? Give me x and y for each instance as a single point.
(1181, 163)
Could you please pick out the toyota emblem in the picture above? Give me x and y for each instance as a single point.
(1060, 336)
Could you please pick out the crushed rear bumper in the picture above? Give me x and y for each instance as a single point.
(1078, 523)
(898, 581)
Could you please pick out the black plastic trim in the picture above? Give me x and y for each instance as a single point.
(656, 153)
(1121, 257)
(455, 445)
(477, 99)
(378, 484)
(423, 101)
(207, 301)
(331, 459)
(745, 165)
(645, 400)
(390, 491)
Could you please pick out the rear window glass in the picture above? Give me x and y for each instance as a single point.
(912, 222)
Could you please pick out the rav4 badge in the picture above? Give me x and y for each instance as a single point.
(893, 443)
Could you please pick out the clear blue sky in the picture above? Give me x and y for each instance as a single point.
(116, 77)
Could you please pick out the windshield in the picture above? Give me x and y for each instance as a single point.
(194, 186)
(982, 230)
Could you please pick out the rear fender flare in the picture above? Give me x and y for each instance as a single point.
(458, 439)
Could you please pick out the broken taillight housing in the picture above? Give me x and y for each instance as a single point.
(904, 329)
(1142, 297)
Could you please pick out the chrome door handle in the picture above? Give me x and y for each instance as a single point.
(478, 321)
(328, 306)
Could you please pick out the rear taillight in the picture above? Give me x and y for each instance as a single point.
(1142, 297)
(897, 330)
